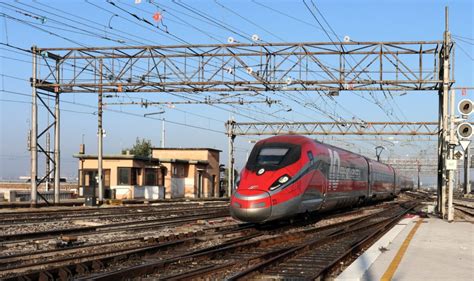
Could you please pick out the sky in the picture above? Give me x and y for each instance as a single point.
(73, 23)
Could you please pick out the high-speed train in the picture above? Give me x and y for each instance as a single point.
(288, 175)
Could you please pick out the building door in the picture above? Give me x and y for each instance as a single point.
(199, 185)
(90, 183)
(213, 186)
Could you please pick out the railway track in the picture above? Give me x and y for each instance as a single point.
(251, 246)
(466, 209)
(11, 218)
(308, 258)
(115, 227)
(81, 260)
(60, 263)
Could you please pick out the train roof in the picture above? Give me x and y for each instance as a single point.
(299, 139)
(296, 139)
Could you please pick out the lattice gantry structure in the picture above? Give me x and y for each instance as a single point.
(357, 66)
(222, 68)
(334, 128)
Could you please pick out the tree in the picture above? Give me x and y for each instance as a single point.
(142, 147)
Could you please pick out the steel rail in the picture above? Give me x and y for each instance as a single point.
(81, 266)
(112, 227)
(155, 213)
(311, 245)
(218, 250)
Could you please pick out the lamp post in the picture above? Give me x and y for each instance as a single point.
(162, 142)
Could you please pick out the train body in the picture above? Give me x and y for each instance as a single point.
(291, 174)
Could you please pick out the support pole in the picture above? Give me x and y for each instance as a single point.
(440, 155)
(57, 159)
(452, 144)
(467, 171)
(48, 161)
(34, 134)
(163, 133)
(100, 133)
(442, 148)
(418, 172)
(230, 171)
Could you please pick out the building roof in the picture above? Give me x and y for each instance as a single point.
(186, 148)
(141, 158)
(171, 160)
(116, 156)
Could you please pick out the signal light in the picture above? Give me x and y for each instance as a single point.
(465, 130)
(465, 107)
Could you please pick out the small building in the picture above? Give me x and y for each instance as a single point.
(168, 173)
(192, 172)
(125, 176)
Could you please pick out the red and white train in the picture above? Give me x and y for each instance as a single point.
(288, 175)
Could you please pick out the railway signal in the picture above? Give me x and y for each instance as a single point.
(465, 107)
(464, 130)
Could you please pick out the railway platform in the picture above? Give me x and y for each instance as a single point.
(418, 249)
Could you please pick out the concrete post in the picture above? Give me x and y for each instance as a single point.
(452, 144)
(163, 133)
(230, 172)
(418, 168)
(34, 134)
(100, 133)
(442, 180)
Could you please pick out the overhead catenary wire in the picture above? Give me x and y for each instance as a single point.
(334, 43)
(220, 24)
(126, 113)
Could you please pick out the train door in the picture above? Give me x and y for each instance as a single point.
(317, 181)
(371, 181)
(314, 193)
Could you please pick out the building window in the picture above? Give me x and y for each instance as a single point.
(123, 176)
(89, 177)
(151, 177)
(127, 176)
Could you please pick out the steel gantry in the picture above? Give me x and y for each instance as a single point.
(308, 66)
(334, 128)
(239, 67)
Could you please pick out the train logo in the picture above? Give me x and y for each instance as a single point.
(334, 168)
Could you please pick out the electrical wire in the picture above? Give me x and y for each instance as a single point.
(126, 113)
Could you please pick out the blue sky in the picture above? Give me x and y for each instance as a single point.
(288, 21)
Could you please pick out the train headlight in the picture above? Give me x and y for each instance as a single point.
(282, 180)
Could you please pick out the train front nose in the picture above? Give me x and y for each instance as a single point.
(251, 205)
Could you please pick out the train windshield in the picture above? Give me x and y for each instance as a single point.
(273, 156)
